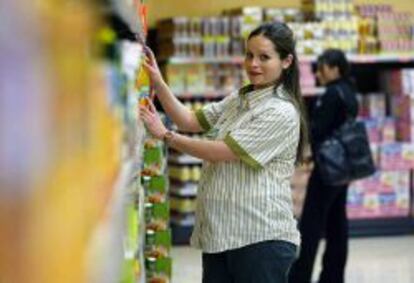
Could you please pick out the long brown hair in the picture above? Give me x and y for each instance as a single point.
(282, 38)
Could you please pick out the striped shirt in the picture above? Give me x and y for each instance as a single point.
(248, 201)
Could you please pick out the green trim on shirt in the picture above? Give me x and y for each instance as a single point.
(240, 152)
(202, 119)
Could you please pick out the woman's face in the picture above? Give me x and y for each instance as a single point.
(326, 73)
(262, 63)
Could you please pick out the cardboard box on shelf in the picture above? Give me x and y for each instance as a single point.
(373, 105)
(195, 78)
(175, 75)
(397, 156)
(388, 131)
(250, 18)
(284, 15)
(386, 194)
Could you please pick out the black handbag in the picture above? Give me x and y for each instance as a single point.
(345, 156)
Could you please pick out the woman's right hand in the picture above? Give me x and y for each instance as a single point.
(150, 64)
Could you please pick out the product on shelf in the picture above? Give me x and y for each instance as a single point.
(372, 105)
(249, 17)
(374, 127)
(183, 205)
(388, 30)
(397, 156)
(326, 9)
(285, 15)
(185, 173)
(389, 130)
(394, 82)
(383, 195)
(192, 80)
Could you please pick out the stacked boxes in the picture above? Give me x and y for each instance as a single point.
(397, 156)
(385, 194)
(320, 24)
(201, 79)
(157, 213)
(200, 37)
(310, 37)
(248, 17)
(284, 15)
(327, 9)
(401, 84)
(392, 30)
(403, 109)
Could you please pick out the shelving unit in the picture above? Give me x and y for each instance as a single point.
(353, 58)
(79, 202)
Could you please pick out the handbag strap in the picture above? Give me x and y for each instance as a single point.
(349, 116)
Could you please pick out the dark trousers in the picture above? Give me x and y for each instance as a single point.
(265, 262)
(324, 213)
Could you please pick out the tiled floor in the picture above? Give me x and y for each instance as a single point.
(371, 260)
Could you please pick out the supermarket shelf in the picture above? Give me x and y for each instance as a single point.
(188, 189)
(306, 91)
(354, 58)
(205, 60)
(180, 219)
(104, 254)
(368, 58)
(184, 159)
(313, 91)
(382, 58)
(182, 205)
(202, 96)
(381, 227)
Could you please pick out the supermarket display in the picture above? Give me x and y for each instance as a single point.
(386, 30)
(157, 213)
(86, 186)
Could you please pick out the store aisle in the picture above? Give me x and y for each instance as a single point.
(379, 260)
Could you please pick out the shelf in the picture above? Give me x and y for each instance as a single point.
(312, 91)
(381, 227)
(205, 96)
(353, 58)
(184, 159)
(186, 220)
(205, 60)
(382, 58)
(306, 91)
(185, 190)
(367, 58)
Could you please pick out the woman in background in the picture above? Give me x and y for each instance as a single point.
(324, 211)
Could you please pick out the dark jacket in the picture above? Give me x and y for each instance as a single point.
(329, 112)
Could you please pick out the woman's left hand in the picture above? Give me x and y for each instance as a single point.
(152, 120)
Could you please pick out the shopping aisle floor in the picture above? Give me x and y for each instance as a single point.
(379, 260)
